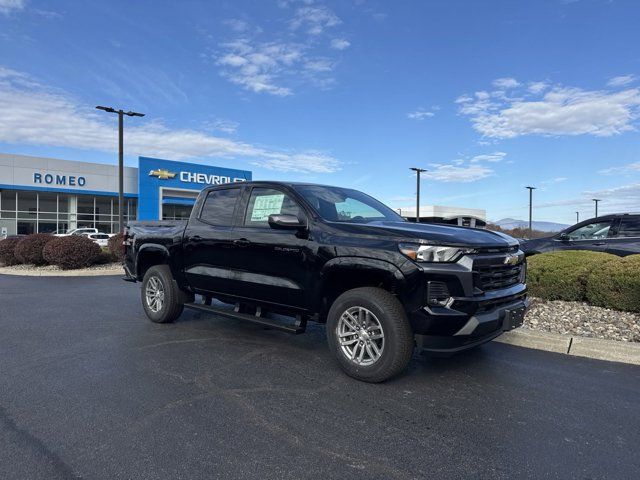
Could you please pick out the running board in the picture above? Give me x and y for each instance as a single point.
(299, 326)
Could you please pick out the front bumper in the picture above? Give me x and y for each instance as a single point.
(473, 330)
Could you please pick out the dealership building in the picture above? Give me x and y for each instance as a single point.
(46, 195)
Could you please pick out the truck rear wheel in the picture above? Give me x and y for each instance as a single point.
(369, 333)
(160, 298)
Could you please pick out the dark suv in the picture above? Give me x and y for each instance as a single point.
(618, 234)
(336, 256)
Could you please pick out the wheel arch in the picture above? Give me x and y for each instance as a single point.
(346, 273)
(149, 255)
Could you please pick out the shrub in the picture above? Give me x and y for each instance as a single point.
(116, 248)
(616, 284)
(564, 275)
(74, 251)
(29, 248)
(7, 251)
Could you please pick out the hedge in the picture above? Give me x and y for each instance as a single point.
(29, 248)
(616, 284)
(8, 251)
(563, 275)
(116, 248)
(598, 278)
(74, 251)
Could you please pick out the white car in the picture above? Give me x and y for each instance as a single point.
(77, 231)
(102, 239)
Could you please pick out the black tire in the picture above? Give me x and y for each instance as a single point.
(389, 313)
(171, 306)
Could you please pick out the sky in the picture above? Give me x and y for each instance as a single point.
(488, 96)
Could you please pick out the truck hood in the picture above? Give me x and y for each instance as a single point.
(432, 233)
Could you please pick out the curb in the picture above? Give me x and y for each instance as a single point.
(61, 273)
(600, 349)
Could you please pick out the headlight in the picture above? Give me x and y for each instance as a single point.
(432, 253)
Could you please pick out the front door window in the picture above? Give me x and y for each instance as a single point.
(591, 231)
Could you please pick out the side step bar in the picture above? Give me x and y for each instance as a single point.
(299, 326)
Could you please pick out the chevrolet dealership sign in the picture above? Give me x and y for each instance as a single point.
(166, 181)
(190, 177)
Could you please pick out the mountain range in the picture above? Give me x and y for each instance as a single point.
(510, 223)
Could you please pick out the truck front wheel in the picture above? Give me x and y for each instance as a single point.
(159, 296)
(369, 333)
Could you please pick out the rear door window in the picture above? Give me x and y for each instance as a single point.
(219, 207)
(629, 227)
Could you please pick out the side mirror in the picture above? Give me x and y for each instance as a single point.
(564, 237)
(285, 222)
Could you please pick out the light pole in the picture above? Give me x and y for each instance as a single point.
(418, 172)
(531, 189)
(121, 113)
(596, 200)
(577, 217)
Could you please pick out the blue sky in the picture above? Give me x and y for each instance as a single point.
(488, 96)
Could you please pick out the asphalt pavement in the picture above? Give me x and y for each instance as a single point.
(89, 388)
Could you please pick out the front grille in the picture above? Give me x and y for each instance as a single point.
(495, 277)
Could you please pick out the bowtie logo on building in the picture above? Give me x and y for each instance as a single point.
(162, 174)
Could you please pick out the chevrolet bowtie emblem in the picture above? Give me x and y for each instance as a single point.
(162, 174)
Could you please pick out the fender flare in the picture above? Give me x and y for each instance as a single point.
(150, 247)
(361, 263)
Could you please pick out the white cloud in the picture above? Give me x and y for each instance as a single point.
(560, 111)
(237, 25)
(557, 180)
(622, 170)
(624, 198)
(225, 126)
(491, 157)
(458, 173)
(340, 44)
(621, 80)
(314, 18)
(537, 87)
(506, 83)
(420, 114)
(294, 56)
(260, 67)
(9, 6)
(32, 114)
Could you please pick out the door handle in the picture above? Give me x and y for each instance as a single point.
(241, 242)
(600, 243)
(196, 238)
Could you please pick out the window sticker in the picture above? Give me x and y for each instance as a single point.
(266, 205)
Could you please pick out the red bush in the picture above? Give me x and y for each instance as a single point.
(116, 248)
(74, 251)
(8, 251)
(29, 248)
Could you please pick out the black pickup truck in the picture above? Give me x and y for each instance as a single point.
(259, 251)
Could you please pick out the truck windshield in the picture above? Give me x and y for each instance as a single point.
(346, 205)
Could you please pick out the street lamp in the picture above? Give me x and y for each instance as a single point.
(121, 113)
(577, 217)
(418, 172)
(531, 189)
(596, 200)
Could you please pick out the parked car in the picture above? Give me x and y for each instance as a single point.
(618, 234)
(336, 256)
(102, 239)
(77, 231)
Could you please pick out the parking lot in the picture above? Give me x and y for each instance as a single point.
(91, 389)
